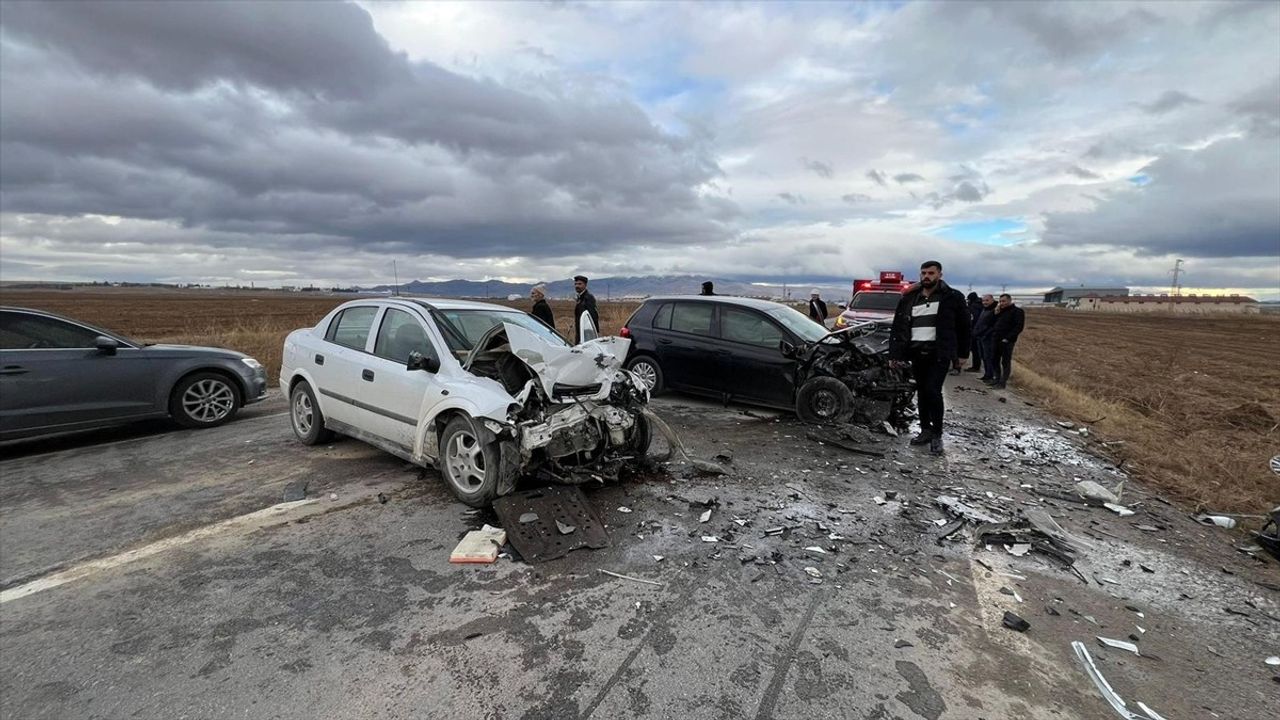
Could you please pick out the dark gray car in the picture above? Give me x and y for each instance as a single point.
(58, 375)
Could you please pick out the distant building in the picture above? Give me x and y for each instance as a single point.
(1180, 305)
(1062, 295)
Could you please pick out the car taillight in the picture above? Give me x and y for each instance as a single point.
(624, 332)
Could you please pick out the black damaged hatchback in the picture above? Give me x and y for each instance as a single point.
(763, 353)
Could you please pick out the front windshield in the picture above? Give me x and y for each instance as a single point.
(470, 325)
(875, 301)
(792, 320)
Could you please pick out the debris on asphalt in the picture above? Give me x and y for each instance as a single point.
(295, 491)
(705, 517)
(858, 449)
(899, 644)
(620, 576)
(554, 510)
(813, 572)
(333, 496)
(1093, 492)
(964, 511)
(479, 546)
(659, 558)
(383, 499)
(1018, 549)
(1273, 661)
(624, 509)
(677, 445)
(1118, 644)
(1221, 521)
(1117, 704)
(1120, 510)
(1036, 529)
(710, 539)
(1013, 622)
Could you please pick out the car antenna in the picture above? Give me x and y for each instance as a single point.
(396, 274)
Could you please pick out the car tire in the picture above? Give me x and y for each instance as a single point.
(646, 368)
(305, 417)
(204, 400)
(824, 400)
(470, 466)
(641, 437)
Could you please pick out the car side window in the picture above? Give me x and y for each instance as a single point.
(20, 331)
(692, 318)
(747, 327)
(352, 326)
(662, 319)
(400, 334)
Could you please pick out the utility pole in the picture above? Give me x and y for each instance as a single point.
(1175, 291)
(395, 272)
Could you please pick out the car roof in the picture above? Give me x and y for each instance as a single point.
(441, 303)
(756, 303)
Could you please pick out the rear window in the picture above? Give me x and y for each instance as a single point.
(692, 318)
(351, 327)
(875, 301)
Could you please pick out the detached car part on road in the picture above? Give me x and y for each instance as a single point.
(61, 375)
(484, 392)
(763, 353)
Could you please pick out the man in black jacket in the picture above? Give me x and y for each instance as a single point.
(541, 309)
(1008, 325)
(586, 302)
(975, 312)
(817, 308)
(931, 331)
(982, 337)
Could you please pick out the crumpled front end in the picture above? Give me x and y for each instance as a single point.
(858, 356)
(577, 414)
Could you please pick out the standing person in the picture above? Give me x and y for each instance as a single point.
(975, 311)
(1010, 320)
(586, 302)
(541, 309)
(817, 308)
(707, 288)
(982, 336)
(931, 331)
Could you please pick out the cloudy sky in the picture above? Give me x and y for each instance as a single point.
(1022, 144)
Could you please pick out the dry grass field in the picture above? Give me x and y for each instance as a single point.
(1191, 404)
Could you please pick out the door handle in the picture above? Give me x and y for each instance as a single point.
(319, 359)
(13, 370)
(663, 341)
(367, 375)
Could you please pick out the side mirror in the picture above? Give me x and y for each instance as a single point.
(787, 349)
(418, 361)
(106, 345)
(844, 306)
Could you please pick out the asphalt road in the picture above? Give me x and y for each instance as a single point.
(144, 576)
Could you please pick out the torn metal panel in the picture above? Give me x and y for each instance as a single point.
(954, 506)
(553, 509)
(1114, 700)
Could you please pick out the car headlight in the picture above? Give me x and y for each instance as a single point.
(251, 363)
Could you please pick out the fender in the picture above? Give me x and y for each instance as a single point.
(426, 441)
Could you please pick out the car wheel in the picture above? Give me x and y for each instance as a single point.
(305, 416)
(646, 368)
(204, 399)
(641, 437)
(824, 400)
(469, 465)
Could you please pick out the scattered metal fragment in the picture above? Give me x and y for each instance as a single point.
(1093, 492)
(710, 539)
(899, 644)
(706, 516)
(1118, 644)
(813, 572)
(1117, 704)
(526, 518)
(1018, 549)
(1120, 510)
(677, 445)
(659, 558)
(1221, 521)
(816, 549)
(628, 577)
(295, 491)
(624, 509)
(1273, 661)
(954, 506)
(1013, 622)
(565, 529)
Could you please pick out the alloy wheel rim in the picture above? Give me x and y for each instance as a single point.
(464, 460)
(647, 373)
(303, 414)
(208, 400)
(824, 403)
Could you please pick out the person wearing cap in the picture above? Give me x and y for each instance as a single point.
(817, 308)
(708, 288)
(541, 309)
(586, 302)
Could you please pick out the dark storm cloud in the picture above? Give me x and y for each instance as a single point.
(878, 177)
(264, 119)
(1261, 108)
(1083, 173)
(1186, 208)
(1168, 101)
(819, 168)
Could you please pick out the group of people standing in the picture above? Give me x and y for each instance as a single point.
(996, 325)
(584, 301)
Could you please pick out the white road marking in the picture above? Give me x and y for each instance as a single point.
(250, 521)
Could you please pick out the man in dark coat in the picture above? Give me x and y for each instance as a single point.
(982, 337)
(817, 308)
(708, 288)
(541, 309)
(1008, 325)
(975, 311)
(931, 330)
(586, 302)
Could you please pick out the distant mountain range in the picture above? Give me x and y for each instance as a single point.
(608, 287)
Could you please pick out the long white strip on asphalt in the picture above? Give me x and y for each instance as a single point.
(250, 521)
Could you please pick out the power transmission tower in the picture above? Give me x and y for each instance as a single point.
(1176, 289)
(396, 274)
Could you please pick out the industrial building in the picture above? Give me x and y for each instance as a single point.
(1058, 296)
(1175, 304)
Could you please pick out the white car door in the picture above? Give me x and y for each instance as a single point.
(338, 364)
(394, 396)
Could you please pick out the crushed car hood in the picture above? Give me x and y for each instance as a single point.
(594, 364)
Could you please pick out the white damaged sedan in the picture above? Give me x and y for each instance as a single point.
(483, 392)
